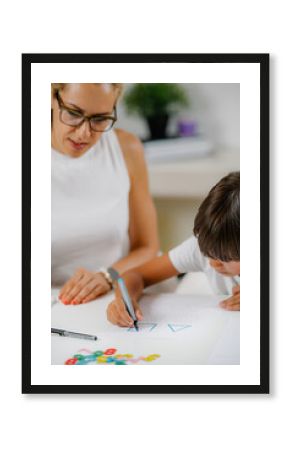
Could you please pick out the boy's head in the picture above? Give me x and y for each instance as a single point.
(217, 225)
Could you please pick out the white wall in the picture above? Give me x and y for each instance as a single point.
(216, 108)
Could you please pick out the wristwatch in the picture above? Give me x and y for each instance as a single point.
(107, 276)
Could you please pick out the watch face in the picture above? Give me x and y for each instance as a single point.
(113, 273)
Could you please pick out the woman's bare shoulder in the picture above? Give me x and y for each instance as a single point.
(131, 145)
(133, 153)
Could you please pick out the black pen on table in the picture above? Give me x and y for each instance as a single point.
(125, 295)
(74, 334)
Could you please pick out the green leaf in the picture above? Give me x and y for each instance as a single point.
(155, 99)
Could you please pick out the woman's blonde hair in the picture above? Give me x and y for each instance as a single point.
(56, 87)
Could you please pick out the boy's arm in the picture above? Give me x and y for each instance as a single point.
(154, 271)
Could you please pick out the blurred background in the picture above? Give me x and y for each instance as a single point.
(191, 137)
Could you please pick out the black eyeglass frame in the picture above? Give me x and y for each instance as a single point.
(62, 107)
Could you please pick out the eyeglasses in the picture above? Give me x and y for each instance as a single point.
(74, 118)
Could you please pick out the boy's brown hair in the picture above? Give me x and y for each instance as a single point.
(217, 223)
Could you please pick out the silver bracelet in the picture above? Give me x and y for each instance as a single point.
(107, 276)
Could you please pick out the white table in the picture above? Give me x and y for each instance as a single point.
(181, 328)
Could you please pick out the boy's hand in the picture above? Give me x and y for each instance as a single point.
(117, 312)
(232, 303)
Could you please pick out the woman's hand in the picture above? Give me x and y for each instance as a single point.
(83, 287)
(232, 303)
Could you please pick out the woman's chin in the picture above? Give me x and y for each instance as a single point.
(75, 150)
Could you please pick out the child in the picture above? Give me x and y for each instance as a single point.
(214, 249)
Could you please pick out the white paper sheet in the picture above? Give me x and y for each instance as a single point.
(182, 329)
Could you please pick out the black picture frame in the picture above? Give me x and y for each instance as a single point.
(263, 61)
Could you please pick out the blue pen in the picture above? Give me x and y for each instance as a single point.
(125, 295)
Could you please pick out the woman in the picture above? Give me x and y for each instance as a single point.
(102, 212)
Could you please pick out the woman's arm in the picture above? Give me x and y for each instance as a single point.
(143, 233)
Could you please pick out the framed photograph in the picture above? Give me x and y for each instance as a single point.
(122, 180)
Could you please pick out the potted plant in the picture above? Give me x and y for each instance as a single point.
(155, 102)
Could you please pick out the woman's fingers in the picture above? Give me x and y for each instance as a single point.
(88, 287)
(92, 296)
(96, 292)
(97, 286)
(84, 286)
(64, 294)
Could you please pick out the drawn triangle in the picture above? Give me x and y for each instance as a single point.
(146, 327)
(177, 327)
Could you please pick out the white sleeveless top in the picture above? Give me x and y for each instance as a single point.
(89, 209)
